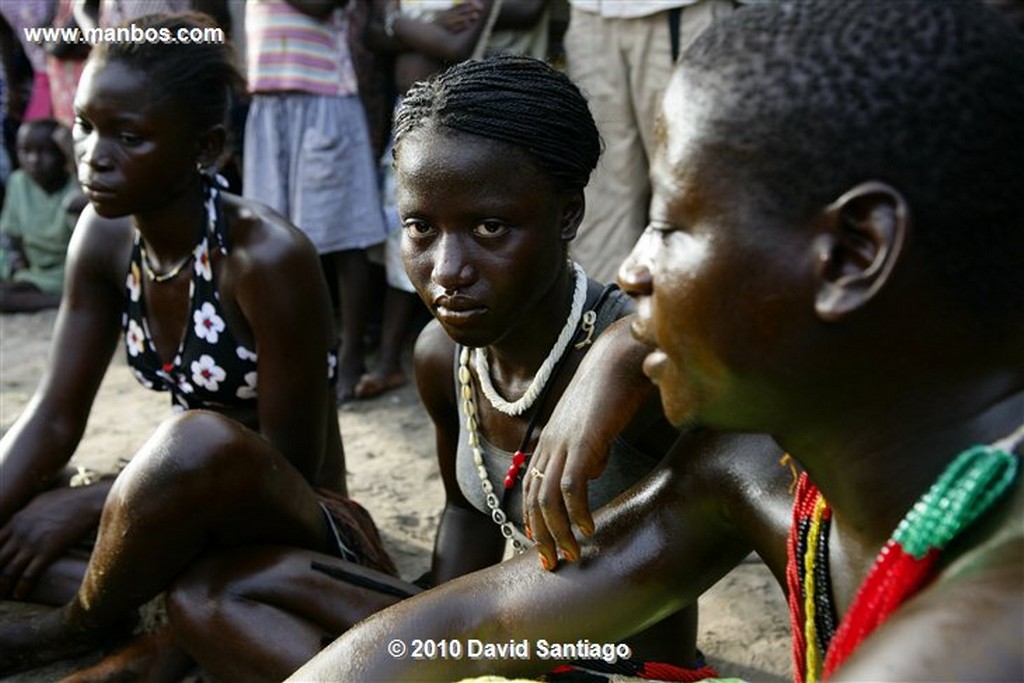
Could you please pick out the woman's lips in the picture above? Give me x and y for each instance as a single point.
(96, 192)
(460, 315)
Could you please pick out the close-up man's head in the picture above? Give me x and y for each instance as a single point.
(822, 159)
(803, 101)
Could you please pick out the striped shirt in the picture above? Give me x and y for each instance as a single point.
(290, 51)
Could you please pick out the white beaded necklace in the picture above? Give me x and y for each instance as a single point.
(498, 515)
(540, 379)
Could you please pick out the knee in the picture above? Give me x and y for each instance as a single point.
(187, 452)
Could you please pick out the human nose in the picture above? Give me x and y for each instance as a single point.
(452, 270)
(634, 275)
(91, 152)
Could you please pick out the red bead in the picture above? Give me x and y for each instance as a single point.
(510, 480)
(168, 367)
(519, 459)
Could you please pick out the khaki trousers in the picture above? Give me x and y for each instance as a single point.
(623, 67)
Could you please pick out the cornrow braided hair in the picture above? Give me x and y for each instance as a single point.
(522, 101)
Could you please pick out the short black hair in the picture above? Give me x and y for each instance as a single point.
(518, 100)
(810, 98)
(202, 76)
(49, 125)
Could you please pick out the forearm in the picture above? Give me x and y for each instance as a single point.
(32, 453)
(435, 41)
(644, 562)
(616, 360)
(514, 601)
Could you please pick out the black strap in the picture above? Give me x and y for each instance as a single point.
(360, 580)
(675, 16)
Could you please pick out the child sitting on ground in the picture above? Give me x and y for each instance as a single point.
(40, 209)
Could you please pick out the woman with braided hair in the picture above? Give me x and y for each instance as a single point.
(491, 158)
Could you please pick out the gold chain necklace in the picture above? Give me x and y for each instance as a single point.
(162, 277)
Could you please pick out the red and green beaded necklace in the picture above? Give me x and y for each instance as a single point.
(975, 481)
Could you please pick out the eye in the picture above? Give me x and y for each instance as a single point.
(416, 228)
(661, 229)
(81, 127)
(490, 229)
(129, 139)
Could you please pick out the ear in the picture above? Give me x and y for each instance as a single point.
(863, 235)
(570, 214)
(211, 145)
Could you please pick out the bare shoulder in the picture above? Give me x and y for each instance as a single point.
(935, 635)
(434, 347)
(261, 234)
(100, 246)
(433, 360)
(271, 265)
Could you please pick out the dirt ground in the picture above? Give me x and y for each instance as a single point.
(388, 440)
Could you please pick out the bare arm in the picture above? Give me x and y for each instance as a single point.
(575, 443)
(434, 40)
(277, 284)
(655, 549)
(38, 525)
(44, 437)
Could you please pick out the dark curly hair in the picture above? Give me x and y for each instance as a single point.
(810, 98)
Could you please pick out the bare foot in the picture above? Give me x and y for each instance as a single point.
(373, 384)
(349, 372)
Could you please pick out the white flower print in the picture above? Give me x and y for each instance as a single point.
(245, 354)
(208, 324)
(202, 267)
(206, 373)
(134, 339)
(249, 390)
(332, 364)
(134, 282)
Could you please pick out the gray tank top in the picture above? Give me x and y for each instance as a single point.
(626, 465)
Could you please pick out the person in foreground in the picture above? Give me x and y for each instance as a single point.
(854, 290)
(222, 304)
(491, 158)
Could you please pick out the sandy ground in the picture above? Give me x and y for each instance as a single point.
(744, 622)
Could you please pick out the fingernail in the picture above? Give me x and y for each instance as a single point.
(529, 534)
(567, 555)
(545, 562)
